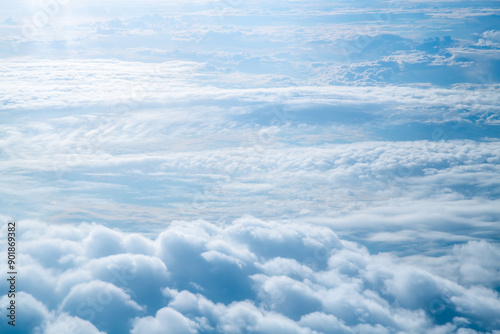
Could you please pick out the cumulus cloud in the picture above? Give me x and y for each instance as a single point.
(66, 324)
(249, 275)
(33, 312)
(364, 136)
(167, 320)
(102, 303)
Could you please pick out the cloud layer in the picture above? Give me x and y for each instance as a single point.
(247, 276)
(252, 166)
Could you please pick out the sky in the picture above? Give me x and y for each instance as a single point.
(249, 166)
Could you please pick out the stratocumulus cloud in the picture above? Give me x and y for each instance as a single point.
(251, 166)
(248, 275)
(77, 83)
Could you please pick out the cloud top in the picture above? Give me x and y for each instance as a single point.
(248, 275)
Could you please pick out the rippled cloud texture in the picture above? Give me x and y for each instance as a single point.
(242, 166)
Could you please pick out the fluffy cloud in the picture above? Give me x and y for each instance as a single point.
(363, 136)
(167, 321)
(104, 304)
(248, 276)
(33, 312)
(65, 324)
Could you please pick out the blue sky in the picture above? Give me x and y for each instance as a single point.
(242, 166)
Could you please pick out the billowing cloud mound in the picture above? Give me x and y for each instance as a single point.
(247, 276)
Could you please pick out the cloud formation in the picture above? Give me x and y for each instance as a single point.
(364, 137)
(245, 276)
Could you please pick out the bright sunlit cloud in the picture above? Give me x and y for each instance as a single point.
(251, 166)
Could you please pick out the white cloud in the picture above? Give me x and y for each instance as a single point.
(478, 263)
(167, 321)
(84, 83)
(103, 304)
(358, 133)
(291, 277)
(66, 324)
(32, 312)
